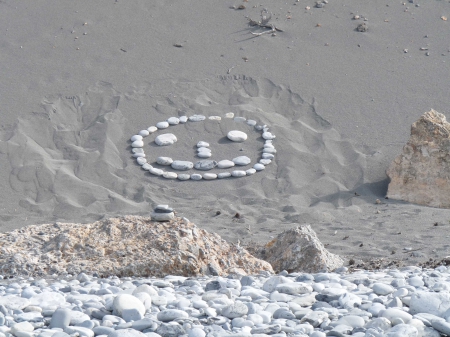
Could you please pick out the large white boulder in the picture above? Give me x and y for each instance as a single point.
(124, 301)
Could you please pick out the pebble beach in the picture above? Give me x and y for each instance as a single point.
(408, 301)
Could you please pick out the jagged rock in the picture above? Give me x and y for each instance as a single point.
(421, 174)
(299, 250)
(126, 246)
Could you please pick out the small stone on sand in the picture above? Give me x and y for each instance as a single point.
(237, 136)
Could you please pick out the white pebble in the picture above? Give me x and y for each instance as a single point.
(170, 175)
(144, 133)
(173, 120)
(166, 139)
(238, 173)
(202, 144)
(268, 135)
(136, 137)
(204, 155)
(141, 160)
(147, 166)
(237, 136)
(152, 129)
(223, 164)
(259, 167)
(137, 143)
(156, 171)
(164, 161)
(242, 160)
(162, 125)
(250, 172)
(197, 118)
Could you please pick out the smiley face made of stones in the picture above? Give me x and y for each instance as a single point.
(203, 151)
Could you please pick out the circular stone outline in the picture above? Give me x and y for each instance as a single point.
(138, 140)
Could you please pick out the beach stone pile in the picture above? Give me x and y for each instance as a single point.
(203, 151)
(129, 245)
(421, 173)
(392, 303)
(162, 213)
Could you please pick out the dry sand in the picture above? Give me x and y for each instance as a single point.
(79, 78)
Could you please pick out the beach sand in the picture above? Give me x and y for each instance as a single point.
(80, 78)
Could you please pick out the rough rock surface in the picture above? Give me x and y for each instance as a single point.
(299, 250)
(126, 246)
(421, 174)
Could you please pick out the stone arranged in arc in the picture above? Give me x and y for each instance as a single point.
(156, 171)
(250, 171)
(164, 161)
(242, 160)
(162, 125)
(173, 120)
(203, 150)
(197, 118)
(182, 165)
(259, 167)
(170, 175)
(183, 176)
(147, 166)
(209, 176)
(137, 143)
(141, 160)
(205, 165)
(238, 173)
